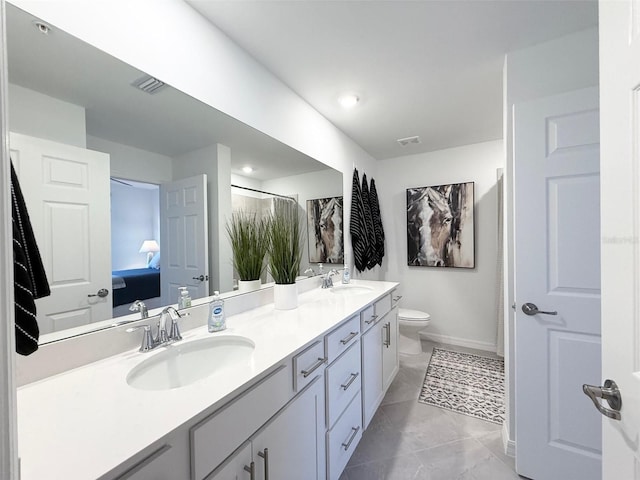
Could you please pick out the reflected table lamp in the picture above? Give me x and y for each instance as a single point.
(150, 247)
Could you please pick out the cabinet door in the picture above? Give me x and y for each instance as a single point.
(291, 446)
(390, 358)
(234, 468)
(371, 371)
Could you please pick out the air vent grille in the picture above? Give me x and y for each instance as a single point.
(149, 84)
(409, 140)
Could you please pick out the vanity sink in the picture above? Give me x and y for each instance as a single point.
(350, 289)
(182, 364)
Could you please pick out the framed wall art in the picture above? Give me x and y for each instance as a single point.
(324, 228)
(440, 226)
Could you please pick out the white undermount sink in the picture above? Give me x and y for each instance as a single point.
(184, 363)
(350, 289)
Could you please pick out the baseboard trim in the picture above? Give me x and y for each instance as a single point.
(460, 342)
(508, 444)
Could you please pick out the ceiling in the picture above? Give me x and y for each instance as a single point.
(169, 122)
(427, 68)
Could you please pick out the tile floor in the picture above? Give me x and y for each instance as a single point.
(408, 440)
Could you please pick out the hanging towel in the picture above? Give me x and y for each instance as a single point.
(357, 227)
(372, 258)
(377, 223)
(30, 280)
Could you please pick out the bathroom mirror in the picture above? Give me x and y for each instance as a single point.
(67, 96)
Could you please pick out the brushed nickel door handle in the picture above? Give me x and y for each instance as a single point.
(608, 392)
(103, 292)
(532, 309)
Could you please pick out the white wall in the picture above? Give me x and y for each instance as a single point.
(565, 64)
(38, 115)
(309, 186)
(132, 163)
(171, 41)
(461, 301)
(134, 213)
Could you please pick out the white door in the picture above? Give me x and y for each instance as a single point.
(620, 136)
(557, 268)
(184, 245)
(66, 190)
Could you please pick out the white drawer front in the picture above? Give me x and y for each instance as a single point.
(308, 365)
(342, 338)
(383, 306)
(343, 438)
(217, 436)
(343, 382)
(368, 318)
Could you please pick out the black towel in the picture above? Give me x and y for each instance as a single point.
(371, 256)
(357, 226)
(377, 222)
(30, 280)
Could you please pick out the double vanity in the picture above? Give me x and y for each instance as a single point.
(279, 394)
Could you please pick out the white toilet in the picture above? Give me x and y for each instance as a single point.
(410, 322)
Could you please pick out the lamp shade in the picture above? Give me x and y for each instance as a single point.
(149, 246)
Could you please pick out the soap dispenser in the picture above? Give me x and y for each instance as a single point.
(217, 321)
(184, 299)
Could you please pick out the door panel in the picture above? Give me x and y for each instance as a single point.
(66, 189)
(557, 229)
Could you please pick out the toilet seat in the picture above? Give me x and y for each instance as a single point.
(412, 315)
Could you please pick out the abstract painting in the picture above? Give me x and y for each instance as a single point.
(440, 230)
(324, 226)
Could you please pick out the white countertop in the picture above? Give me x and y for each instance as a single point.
(83, 423)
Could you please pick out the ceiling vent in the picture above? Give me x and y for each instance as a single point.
(149, 84)
(408, 141)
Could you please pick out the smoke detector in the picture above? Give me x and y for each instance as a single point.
(409, 140)
(149, 84)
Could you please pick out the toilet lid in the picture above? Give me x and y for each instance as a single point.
(407, 314)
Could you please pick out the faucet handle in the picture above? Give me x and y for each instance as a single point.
(148, 342)
(139, 306)
(174, 332)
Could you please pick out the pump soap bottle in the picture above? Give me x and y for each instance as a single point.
(217, 321)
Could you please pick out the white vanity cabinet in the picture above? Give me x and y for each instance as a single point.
(380, 361)
(290, 446)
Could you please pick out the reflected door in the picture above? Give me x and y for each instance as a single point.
(184, 244)
(557, 238)
(66, 190)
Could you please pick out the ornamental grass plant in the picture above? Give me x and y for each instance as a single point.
(285, 241)
(249, 236)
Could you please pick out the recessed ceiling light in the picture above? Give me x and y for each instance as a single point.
(348, 100)
(247, 169)
(42, 27)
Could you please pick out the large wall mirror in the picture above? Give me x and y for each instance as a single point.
(128, 181)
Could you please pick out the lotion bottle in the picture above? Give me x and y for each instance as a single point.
(346, 275)
(217, 321)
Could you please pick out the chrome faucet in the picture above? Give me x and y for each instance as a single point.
(139, 306)
(309, 272)
(163, 337)
(327, 281)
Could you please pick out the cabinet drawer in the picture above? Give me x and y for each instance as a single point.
(217, 436)
(367, 318)
(342, 338)
(382, 306)
(343, 438)
(308, 365)
(343, 382)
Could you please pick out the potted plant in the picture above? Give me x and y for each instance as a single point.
(285, 252)
(249, 238)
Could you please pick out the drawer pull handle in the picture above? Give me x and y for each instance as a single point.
(351, 380)
(348, 338)
(265, 455)
(251, 469)
(373, 319)
(314, 367)
(397, 299)
(354, 432)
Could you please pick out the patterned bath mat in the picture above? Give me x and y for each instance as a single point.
(465, 383)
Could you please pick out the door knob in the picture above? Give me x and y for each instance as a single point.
(202, 278)
(608, 392)
(532, 309)
(103, 292)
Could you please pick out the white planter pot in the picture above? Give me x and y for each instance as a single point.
(285, 297)
(248, 285)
